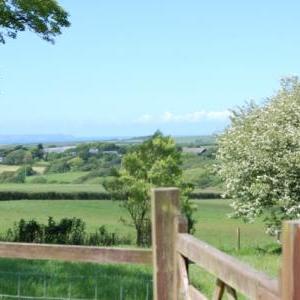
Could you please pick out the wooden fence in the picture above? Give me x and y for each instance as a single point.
(173, 249)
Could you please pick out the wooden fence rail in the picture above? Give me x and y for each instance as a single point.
(76, 253)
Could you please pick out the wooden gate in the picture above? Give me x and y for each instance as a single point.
(174, 249)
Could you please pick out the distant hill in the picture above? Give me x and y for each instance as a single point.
(59, 139)
(30, 139)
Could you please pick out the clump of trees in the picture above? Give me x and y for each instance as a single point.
(259, 158)
(154, 163)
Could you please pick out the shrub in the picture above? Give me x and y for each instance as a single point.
(68, 231)
(38, 179)
(26, 170)
(60, 166)
(105, 238)
(12, 177)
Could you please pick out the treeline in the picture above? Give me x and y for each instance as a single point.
(13, 195)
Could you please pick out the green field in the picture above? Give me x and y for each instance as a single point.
(50, 279)
(213, 226)
(68, 177)
(63, 188)
(10, 168)
(7, 168)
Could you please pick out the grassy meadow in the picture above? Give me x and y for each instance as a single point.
(213, 226)
(87, 281)
(13, 168)
(55, 187)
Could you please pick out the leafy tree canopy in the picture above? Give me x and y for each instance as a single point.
(44, 17)
(259, 156)
(154, 163)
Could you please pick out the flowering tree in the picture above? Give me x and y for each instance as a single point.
(259, 158)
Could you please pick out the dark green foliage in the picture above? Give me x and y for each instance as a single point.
(4, 195)
(68, 231)
(154, 163)
(26, 170)
(206, 195)
(12, 195)
(105, 238)
(38, 152)
(16, 157)
(46, 18)
(60, 166)
(26, 231)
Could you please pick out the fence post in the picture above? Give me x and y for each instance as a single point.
(290, 269)
(182, 264)
(165, 211)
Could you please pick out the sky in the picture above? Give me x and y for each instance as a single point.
(127, 68)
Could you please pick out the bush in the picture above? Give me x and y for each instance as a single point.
(102, 237)
(102, 172)
(58, 167)
(38, 179)
(12, 177)
(68, 231)
(26, 170)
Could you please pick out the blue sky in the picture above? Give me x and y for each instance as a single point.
(129, 67)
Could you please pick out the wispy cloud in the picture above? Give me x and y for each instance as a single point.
(192, 117)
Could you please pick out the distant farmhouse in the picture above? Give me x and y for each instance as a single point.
(58, 149)
(195, 150)
(1, 159)
(93, 151)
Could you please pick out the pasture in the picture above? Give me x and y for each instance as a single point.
(213, 226)
(12, 168)
(62, 178)
(8, 168)
(57, 187)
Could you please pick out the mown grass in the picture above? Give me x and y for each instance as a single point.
(213, 226)
(74, 280)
